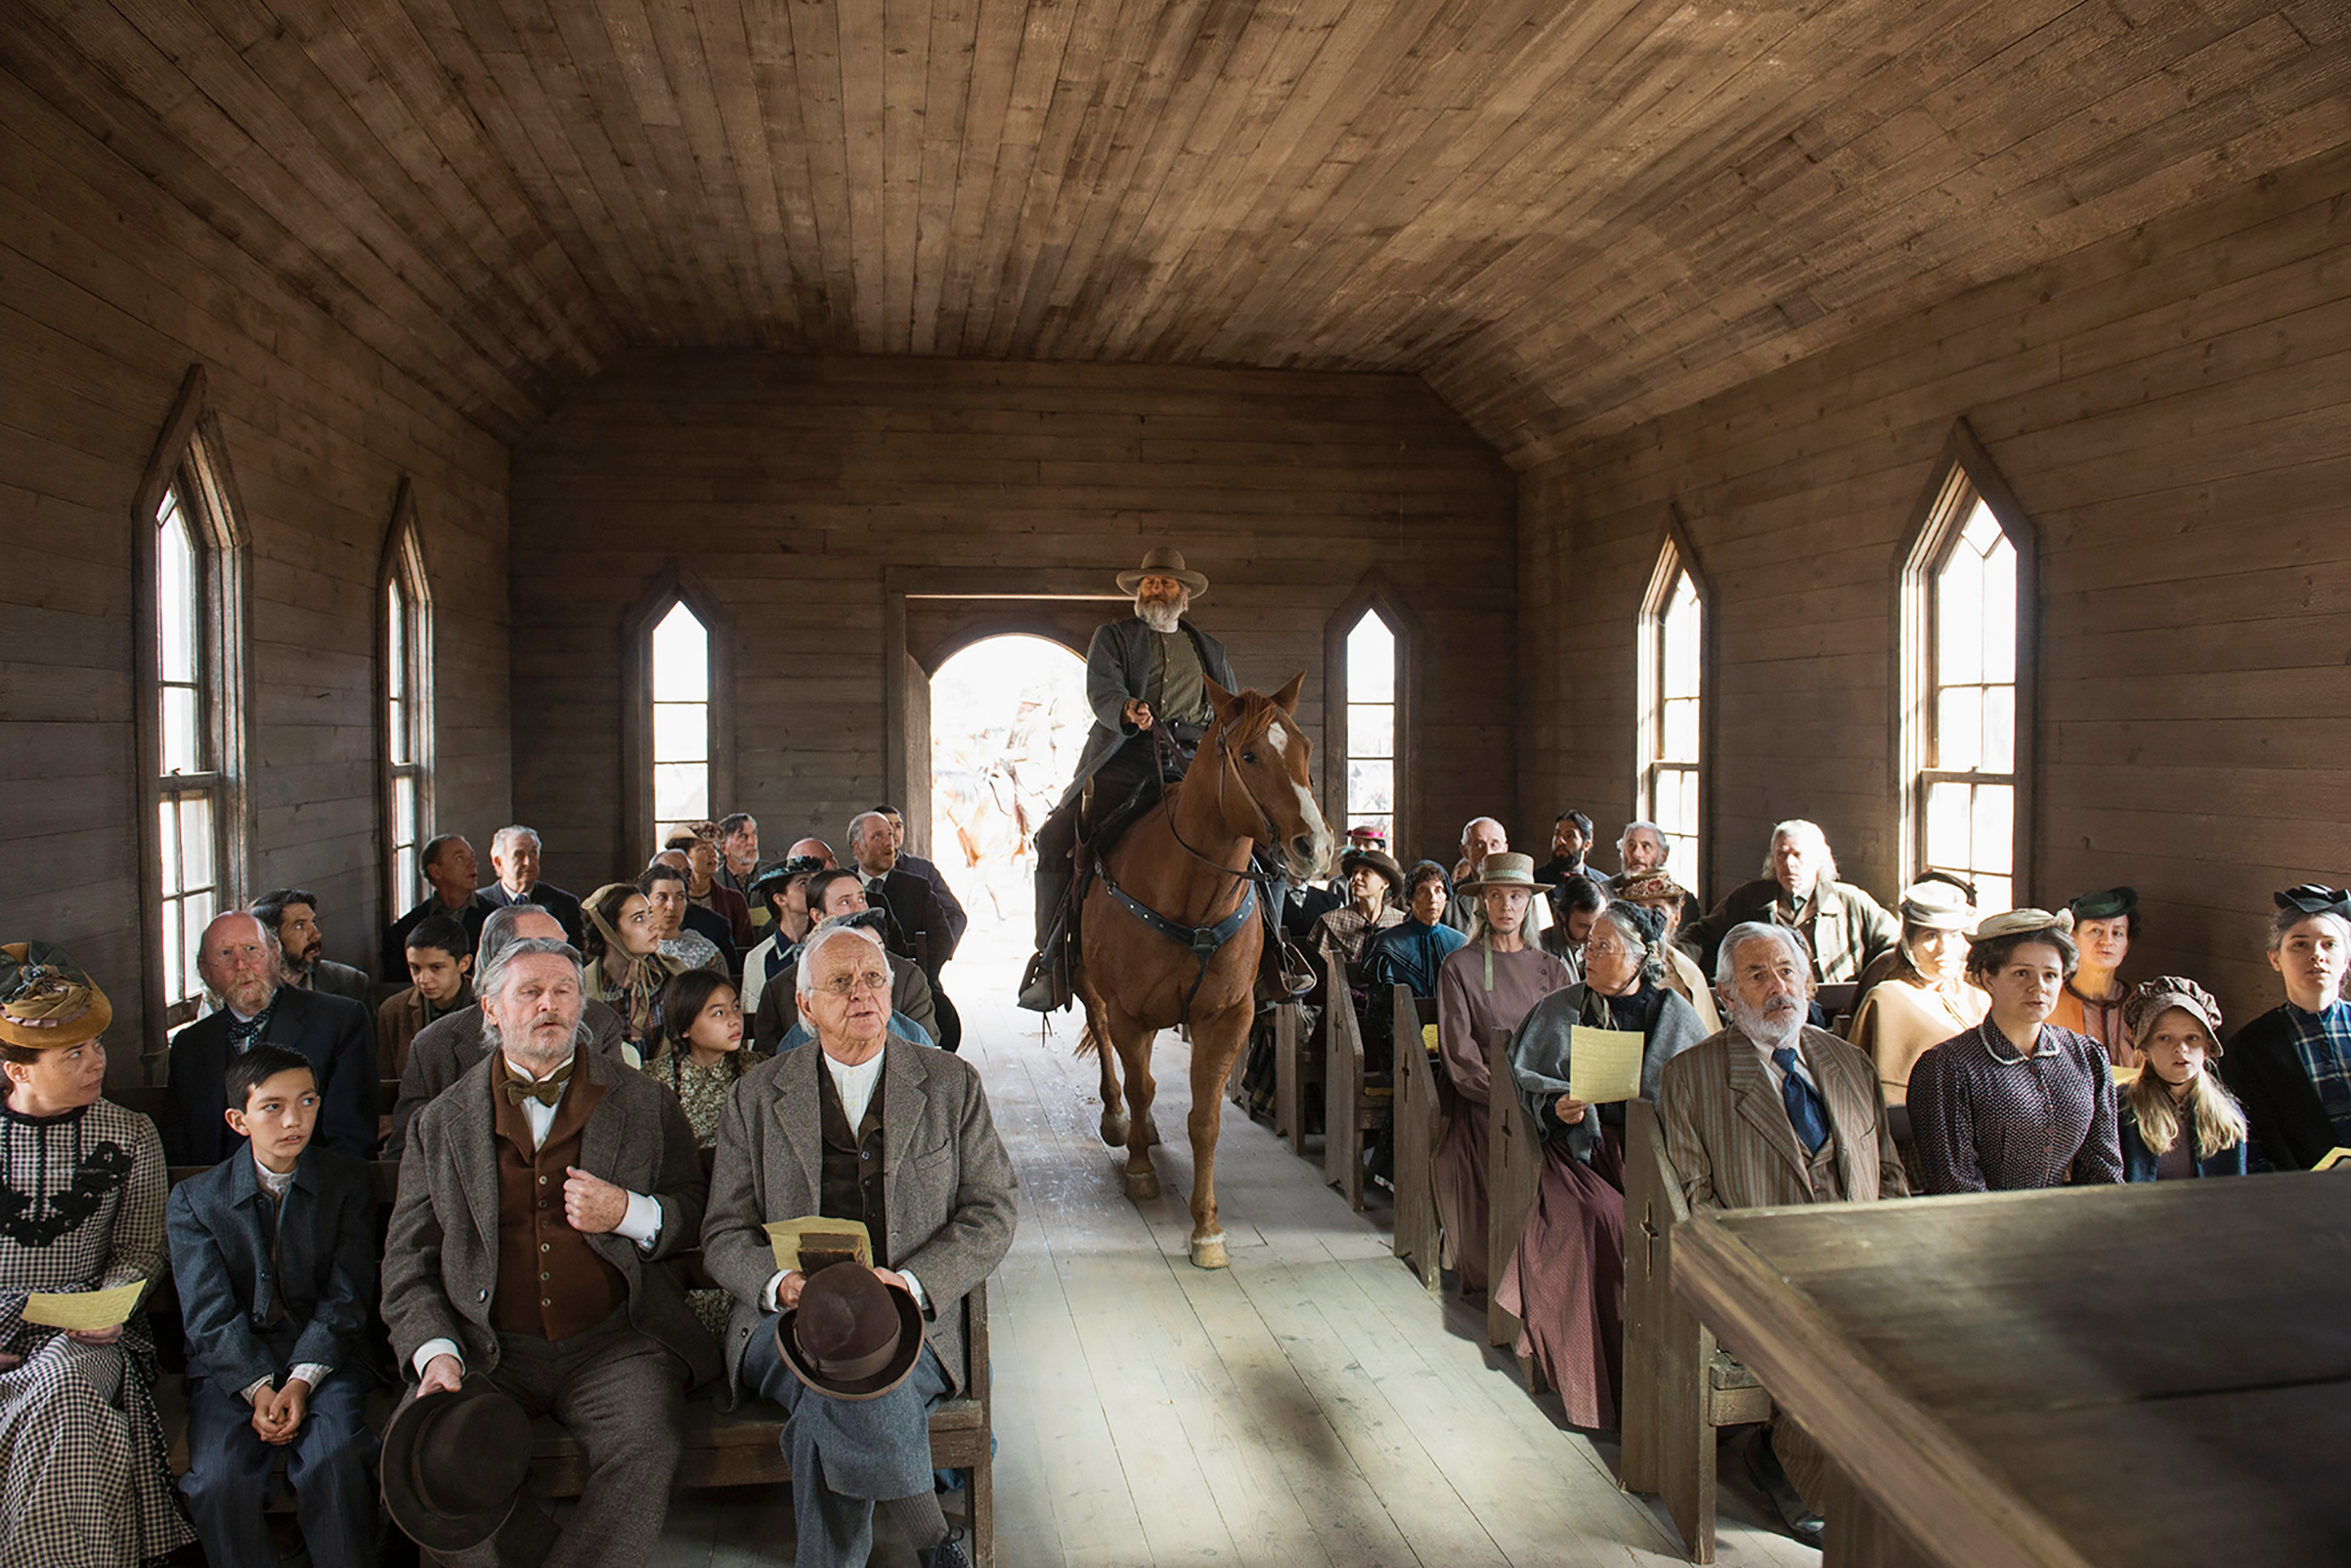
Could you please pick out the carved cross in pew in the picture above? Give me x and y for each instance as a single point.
(1650, 1235)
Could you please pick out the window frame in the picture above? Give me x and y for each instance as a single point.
(1374, 591)
(673, 586)
(1963, 475)
(1676, 558)
(401, 564)
(190, 461)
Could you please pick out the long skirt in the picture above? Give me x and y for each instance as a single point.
(1460, 1183)
(1566, 1285)
(82, 1477)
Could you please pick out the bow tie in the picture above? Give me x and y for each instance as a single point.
(548, 1092)
(242, 1033)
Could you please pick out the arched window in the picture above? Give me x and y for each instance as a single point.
(1370, 694)
(681, 720)
(407, 673)
(1967, 655)
(192, 720)
(1671, 745)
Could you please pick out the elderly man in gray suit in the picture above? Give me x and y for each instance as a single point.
(867, 1126)
(1771, 1112)
(538, 1196)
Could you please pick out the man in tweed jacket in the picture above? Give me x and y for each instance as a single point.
(860, 1125)
(1771, 1110)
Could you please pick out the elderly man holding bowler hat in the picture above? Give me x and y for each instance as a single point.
(537, 1195)
(897, 1136)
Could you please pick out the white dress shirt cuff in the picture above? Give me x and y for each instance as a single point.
(435, 1347)
(259, 1383)
(914, 1288)
(642, 1223)
(767, 1300)
(310, 1371)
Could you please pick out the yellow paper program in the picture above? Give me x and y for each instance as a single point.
(84, 1310)
(1604, 1065)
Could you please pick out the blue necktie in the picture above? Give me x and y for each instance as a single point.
(1805, 1113)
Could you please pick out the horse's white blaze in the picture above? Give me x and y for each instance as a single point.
(1308, 812)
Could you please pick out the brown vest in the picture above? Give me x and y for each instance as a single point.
(851, 1187)
(550, 1283)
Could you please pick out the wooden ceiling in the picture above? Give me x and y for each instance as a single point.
(1569, 215)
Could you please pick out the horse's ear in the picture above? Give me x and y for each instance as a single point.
(1227, 706)
(1288, 697)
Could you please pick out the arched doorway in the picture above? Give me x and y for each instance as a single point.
(1008, 715)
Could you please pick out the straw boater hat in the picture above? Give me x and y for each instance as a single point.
(1163, 562)
(850, 1335)
(2150, 1000)
(2024, 922)
(1503, 869)
(47, 1001)
(453, 1464)
(1938, 905)
(1378, 860)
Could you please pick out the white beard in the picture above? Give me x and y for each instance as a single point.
(1763, 1031)
(1159, 615)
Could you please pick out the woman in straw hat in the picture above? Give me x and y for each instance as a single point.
(1924, 999)
(83, 1478)
(1487, 986)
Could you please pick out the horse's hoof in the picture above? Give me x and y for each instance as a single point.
(1114, 1129)
(1208, 1252)
(1151, 1133)
(1142, 1186)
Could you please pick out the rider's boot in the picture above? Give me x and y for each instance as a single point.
(1046, 986)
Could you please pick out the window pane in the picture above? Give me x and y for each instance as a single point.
(681, 732)
(405, 872)
(1999, 612)
(1959, 621)
(1679, 640)
(681, 658)
(1958, 728)
(1948, 820)
(196, 841)
(195, 914)
(405, 830)
(682, 791)
(1994, 841)
(180, 751)
(1371, 787)
(177, 616)
(1994, 896)
(1370, 661)
(396, 643)
(396, 725)
(1680, 731)
(175, 953)
(1999, 730)
(1370, 729)
(168, 846)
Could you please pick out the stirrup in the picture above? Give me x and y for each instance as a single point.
(1045, 983)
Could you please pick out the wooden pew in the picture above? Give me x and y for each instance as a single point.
(1423, 1104)
(1352, 1105)
(1837, 1001)
(1513, 1174)
(1296, 1069)
(1680, 1386)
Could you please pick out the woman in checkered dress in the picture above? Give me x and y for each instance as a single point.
(83, 1477)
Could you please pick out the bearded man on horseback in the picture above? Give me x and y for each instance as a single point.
(1147, 681)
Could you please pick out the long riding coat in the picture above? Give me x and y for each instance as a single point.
(1118, 667)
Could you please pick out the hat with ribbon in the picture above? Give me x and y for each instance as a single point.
(2024, 922)
(1378, 860)
(1163, 562)
(1648, 887)
(47, 1000)
(2114, 904)
(2311, 899)
(849, 1336)
(453, 1464)
(1504, 869)
(1937, 905)
(1366, 833)
(2150, 999)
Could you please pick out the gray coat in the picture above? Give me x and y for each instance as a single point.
(1542, 1063)
(1118, 668)
(447, 1049)
(440, 1267)
(947, 1184)
(779, 1005)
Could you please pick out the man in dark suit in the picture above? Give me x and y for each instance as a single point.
(447, 1049)
(274, 1252)
(237, 961)
(514, 856)
(449, 867)
(539, 1199)
(918, 926)
(303, 961)
(958, 920)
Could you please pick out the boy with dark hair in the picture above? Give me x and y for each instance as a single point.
(440, 960)
(274, 1253)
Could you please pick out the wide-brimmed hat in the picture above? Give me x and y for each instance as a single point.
(2150, 999)
(1937, 905)
(1504, 869)
(453, 1464)
(47, 1000)
(1163, 562)
(1378, 860)
(851, 1336)
(2110, 904)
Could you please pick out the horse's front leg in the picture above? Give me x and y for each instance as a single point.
(1133, 1043)
(1216, 1039)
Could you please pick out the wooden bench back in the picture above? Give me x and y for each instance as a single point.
(1513, 1174)
(1419, 1122)
(1350, 1106)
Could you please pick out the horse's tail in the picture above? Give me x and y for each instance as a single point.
(1087, 1043)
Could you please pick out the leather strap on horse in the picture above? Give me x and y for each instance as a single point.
(1202, 942)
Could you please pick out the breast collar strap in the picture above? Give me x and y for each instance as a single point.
(1204, 943)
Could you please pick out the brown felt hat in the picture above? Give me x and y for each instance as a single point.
(47, 1000)
(453, 1464)
(1163, 562)
(851, 1336)
(1378, 860)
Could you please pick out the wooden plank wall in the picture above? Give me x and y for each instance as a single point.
(109, 290)
(787, 485)
(2173, 409)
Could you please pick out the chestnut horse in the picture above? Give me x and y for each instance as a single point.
(1186, 863)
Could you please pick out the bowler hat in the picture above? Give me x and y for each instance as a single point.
(453, 1464)
(849, 1336)
(47, 1000)
(1163, 562)
(1504, 869)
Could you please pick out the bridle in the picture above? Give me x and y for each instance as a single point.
(1164, 749)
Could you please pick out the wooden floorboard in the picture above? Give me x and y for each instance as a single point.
(1310, 1407)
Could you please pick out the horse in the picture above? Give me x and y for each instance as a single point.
(1170, 931)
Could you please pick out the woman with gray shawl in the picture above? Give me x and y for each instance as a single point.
(1566, 1282)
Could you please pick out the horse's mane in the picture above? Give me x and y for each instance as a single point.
(1257, 714)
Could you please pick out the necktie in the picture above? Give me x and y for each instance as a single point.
(242, 1033)
(1805, 1113)
(547, 1092)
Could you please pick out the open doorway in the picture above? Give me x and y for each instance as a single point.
(1008, 716)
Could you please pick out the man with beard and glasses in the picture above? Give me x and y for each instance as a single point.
(302, 962)
(1147, 671)
(1772, 1111)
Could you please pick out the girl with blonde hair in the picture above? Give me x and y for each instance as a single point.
(2177, 1121)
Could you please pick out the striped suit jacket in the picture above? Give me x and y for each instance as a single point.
(1728, 1132)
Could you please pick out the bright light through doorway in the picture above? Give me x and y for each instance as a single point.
(1008, 716)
